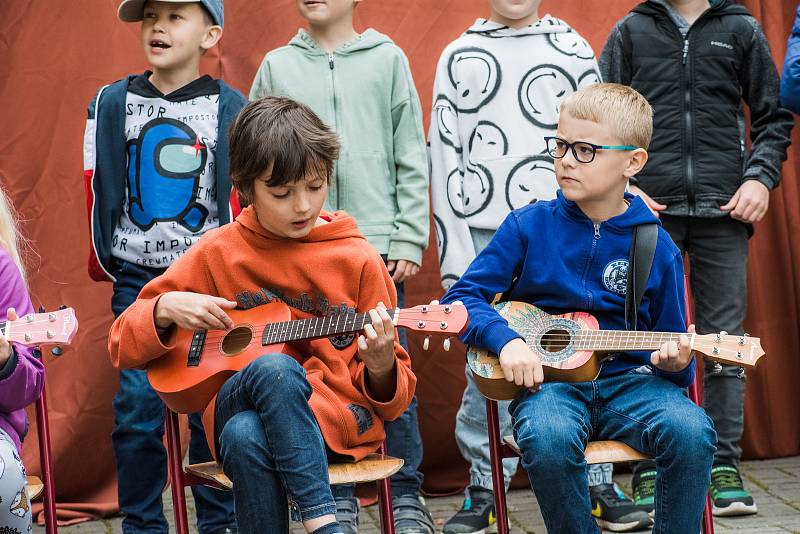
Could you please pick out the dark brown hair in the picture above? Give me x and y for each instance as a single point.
(282, 132)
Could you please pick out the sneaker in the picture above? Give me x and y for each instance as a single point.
(728, 494)
(615, 512)
(476, 515)
(347, 514)
(411, 516)
(644, 490)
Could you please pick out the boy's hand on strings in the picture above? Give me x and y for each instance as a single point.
(750, 203)
(376, 344)
(654, 206)
(193, 311)
(5, 345)
(521, 365)
(401, 270)
(673, 357)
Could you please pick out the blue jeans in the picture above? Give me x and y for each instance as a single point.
(403, 439)
(647, 412)
(271, 446)
(138, 439)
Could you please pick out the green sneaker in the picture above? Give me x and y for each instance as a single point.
(728, 494)
(644, 490)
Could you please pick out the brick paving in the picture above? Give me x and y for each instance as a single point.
(775, 485)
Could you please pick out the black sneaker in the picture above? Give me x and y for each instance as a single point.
(615, 512)
(476, 515)
(411, 516)
(728, 494)
(347, 514)
(644, 490)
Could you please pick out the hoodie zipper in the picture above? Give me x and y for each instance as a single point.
(595, 239)
(336, 183)
(687, 113)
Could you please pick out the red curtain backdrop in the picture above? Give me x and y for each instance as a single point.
(54, 54)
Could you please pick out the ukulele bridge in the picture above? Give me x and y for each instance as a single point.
(196, 348)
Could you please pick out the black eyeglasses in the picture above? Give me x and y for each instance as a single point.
(583, 151)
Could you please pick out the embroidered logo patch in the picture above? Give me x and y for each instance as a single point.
(615, 276)
(722, 45)
(363, 417)
(342, 341)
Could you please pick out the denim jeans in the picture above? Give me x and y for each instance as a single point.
(647, 412)
(138, 439)
(717, 250)
(271, 446)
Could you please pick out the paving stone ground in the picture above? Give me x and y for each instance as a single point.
(775, 485)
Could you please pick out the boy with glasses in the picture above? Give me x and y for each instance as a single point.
(557, 256)
(708, 188)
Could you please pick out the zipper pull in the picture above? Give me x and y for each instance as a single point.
(330, 61)
(685, 51)
(597, 230)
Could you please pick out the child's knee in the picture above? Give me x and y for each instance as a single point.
(281, 374)
(689, 433)
(242, 436)
(549, 448)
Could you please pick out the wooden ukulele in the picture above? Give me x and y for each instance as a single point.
(56, 327)
(188, 376)
(572, 348)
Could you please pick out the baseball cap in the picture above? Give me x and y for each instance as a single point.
(132, 10)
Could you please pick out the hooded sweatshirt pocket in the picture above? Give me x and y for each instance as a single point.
(369, 189)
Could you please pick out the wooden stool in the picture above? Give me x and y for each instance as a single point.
(35, 487)
(598, 452)
(376, 467)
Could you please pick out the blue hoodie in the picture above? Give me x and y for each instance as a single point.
(563, 262)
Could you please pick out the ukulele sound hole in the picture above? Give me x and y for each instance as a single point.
(237, 340)
(555, 340)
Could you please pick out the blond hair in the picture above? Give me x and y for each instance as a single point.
(622, 108)
(10, 238)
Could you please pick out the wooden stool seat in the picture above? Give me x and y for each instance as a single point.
(598, 452)
(374, 467)
(35, 487)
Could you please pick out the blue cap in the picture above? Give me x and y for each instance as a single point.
(133, 10)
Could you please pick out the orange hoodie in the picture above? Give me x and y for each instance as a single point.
(330, 269)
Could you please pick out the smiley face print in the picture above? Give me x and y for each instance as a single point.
(541, 92)
(487, 141)
(469, 193)
(475, 75)
(589, 77)
(571, 44)
(446, 118)
(441, 237)
(531, 179)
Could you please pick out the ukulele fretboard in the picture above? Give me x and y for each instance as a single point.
(621, 340)
(318, 327)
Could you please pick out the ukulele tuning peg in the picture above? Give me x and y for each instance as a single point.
(62, 307)
(740, 373)
(723, 333)
(717, 368)
(41, 309)
(446, 344)
(57, 351)
(426, 343)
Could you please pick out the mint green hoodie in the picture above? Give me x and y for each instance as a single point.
(364, 91)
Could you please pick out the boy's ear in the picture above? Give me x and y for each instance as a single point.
(635, 163)
(211, 38)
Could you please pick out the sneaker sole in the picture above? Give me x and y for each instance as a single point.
(642, 524)
(736, 508)
(491, 529)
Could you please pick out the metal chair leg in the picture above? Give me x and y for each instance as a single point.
(45, 460)
(175, 465)
(496, 461)
(385, 501)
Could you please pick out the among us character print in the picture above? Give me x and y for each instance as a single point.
(475, 75)
(571, 44)
(615, 276)
(166, 161)
(541, 92)
(446, 117)
(531, 179)
(487, 141)
(470, 193)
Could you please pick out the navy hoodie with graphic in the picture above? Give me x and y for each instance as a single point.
(553, 256)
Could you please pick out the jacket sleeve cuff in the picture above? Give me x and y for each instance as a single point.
(10, 364)
(757, 173)
(404, 391)
(403, 250)
(497, 335)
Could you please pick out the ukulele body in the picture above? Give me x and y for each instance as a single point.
(551, 337)
(188, 388)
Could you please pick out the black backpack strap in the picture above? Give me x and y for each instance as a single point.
(640, 259)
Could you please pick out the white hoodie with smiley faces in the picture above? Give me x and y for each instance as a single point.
(496, 96)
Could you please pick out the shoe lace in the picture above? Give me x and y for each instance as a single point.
(609, 494)
(727, 479)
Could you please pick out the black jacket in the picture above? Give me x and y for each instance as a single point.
(696, 86)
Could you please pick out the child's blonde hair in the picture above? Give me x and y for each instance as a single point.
(622, 108)
(10, 238)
